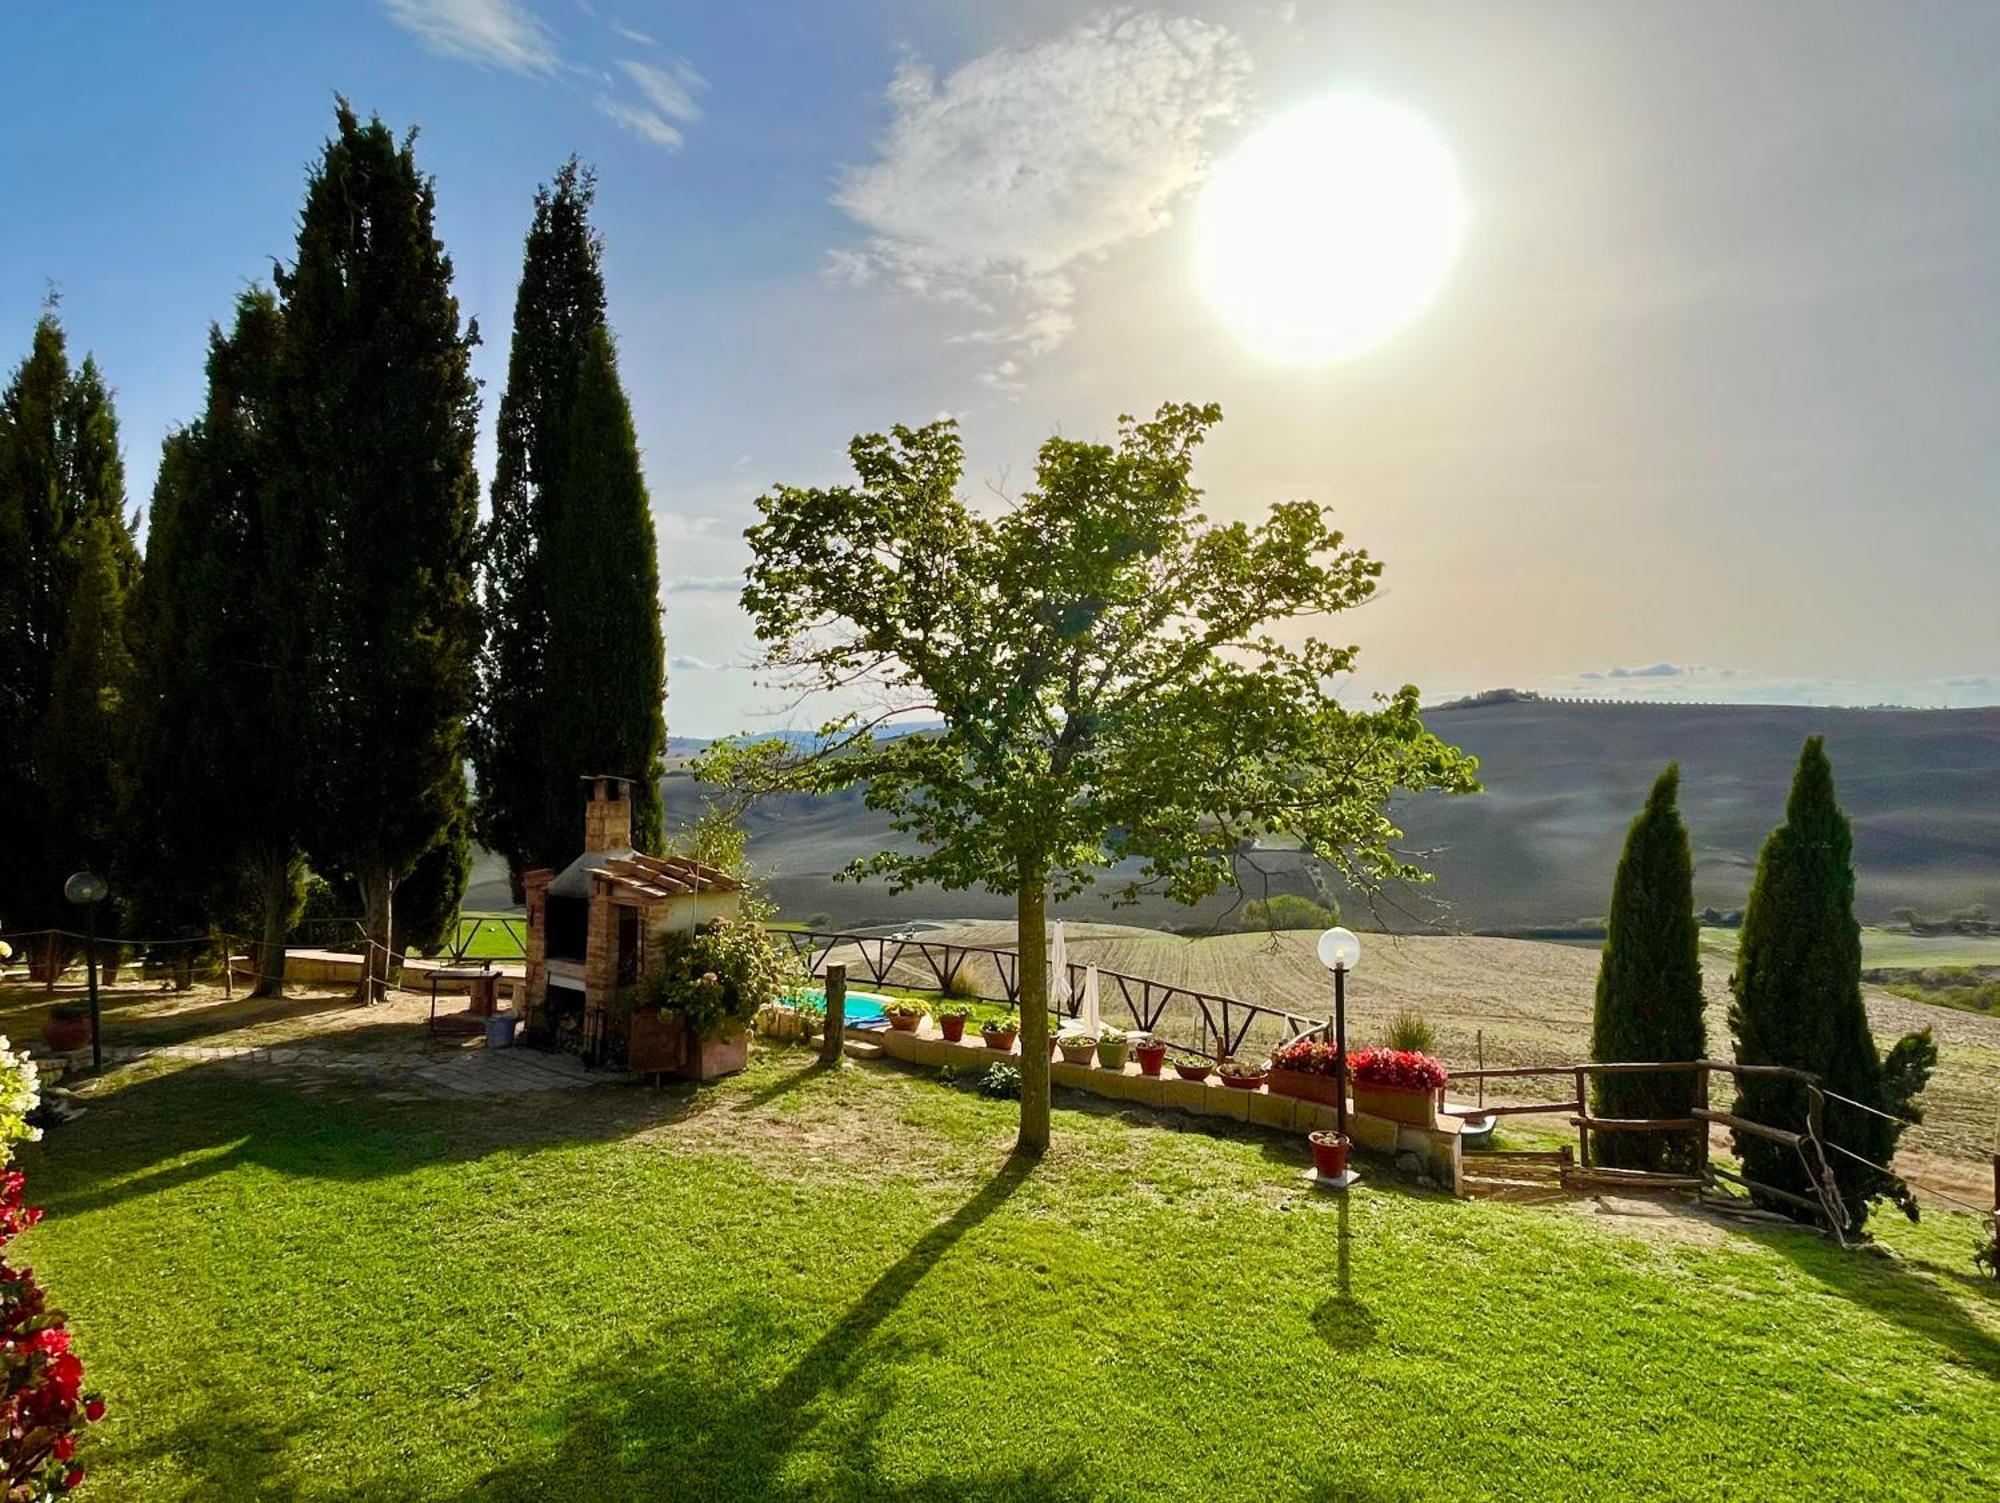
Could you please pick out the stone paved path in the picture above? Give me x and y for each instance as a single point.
(459, 1072)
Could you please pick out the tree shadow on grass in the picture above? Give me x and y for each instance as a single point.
(669, 1426)
(1907, 1294)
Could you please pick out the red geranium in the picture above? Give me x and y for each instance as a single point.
(1310, 1056)
(1404, 1069)
(41, 1379)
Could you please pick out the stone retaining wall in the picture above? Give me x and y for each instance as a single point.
(1436, 1148)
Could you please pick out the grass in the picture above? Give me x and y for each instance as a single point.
(492, 936)
(811, 1285)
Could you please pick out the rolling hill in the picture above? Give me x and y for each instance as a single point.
(1538, 847)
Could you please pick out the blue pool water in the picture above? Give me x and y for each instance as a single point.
(863, 1009)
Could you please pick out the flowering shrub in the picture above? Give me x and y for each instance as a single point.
(716, 978)
(1405, 1069)
(1308, 1057)
(41, 1379)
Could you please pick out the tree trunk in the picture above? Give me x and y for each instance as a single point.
(1031, 928)
(274, 901)
(378, 891)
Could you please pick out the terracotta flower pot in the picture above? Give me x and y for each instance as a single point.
(1194, 1072)
(1415, 1106)
(953, 1026)
(1003, 1041)
(64, 1034)
(905, 1022)
(1078, 1054)
(1151, 1057)
(1330, 1154)
(1305, 1086)
(1244, 1082)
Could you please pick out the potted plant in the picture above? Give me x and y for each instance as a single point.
(1111, 1046)
(998, 1033)
(67, 1028)
(1307, 1068)
(904, 1015)
(1193, 1067)
(1077, 1048)
(1243, 1074)
(1330, 1154)
(1151, 1053)
(1399, 1084)
(692, 1012)
(951, 1020)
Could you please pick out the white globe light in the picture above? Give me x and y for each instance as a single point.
(1339, 950)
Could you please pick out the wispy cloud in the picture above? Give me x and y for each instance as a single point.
(667, 92)
(713, 584)
(498, 33)
(995, 184)
(681, 662)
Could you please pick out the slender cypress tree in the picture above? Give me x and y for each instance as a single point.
(605, 646)
(86, 735)
(525, 756)
(378, 411)
(224, 738)
(1798, 1002)
(1649, 1001)
(60, 473)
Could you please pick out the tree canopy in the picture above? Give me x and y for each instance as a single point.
(1798, 1002)
(1649, 998)
(1117, 678)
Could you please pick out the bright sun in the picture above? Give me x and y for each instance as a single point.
(1329, 230)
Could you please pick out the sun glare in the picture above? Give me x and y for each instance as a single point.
(1329, 229)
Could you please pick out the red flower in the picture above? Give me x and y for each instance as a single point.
(64, 1448)
(93, 1409)
(73, 1478)
(1405, 1069)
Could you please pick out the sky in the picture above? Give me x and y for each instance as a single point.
(1702, 409)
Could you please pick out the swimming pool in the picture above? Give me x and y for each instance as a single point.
(861, 1010)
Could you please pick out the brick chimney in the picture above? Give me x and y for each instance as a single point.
(607, 819)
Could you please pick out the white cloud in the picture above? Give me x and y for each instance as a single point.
(714, 584)
(995, 185)
(685, 664)
(500, 33)
(667, 95)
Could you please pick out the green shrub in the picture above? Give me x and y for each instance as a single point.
(1002, 1083)
(716, 978)
(1410, 1029)
(1289, 911)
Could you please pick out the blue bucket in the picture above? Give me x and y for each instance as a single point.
(500, 1030)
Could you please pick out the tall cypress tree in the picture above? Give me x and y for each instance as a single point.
(86, 735)
(1649, 1001)
(1798, 1002)
(219, 794)
(378, 412)
(60, 473)
(526, 761)
(606, 651)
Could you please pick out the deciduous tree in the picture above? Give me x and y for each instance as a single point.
(1118, 679)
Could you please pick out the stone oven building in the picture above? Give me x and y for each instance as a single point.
(592, 926)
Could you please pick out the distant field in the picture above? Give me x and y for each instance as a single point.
(1887, 950)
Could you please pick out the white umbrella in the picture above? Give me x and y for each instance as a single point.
(1092, 1023)
(1058, 971)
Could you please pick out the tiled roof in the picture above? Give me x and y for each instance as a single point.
(660, 876)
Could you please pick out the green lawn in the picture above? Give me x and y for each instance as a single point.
(492, 936)
(802, 1286)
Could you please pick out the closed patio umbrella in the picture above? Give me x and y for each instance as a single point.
(1059, 971)
(1092, 1022)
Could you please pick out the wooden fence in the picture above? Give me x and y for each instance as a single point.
(1824, 1204)
(1203, 1023)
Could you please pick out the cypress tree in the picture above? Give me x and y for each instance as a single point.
(225, 733)
(1649, 999)
(606, 653)
(526, 761)
(1798, 1002)
(86, 748)
(378, 412)
(60, 474)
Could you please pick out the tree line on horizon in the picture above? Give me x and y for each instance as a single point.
(286, 687)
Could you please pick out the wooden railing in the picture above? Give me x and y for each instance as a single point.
(1219, 1026)
(1824, 1204)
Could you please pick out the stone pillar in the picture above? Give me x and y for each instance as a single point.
(535, 990)
(600, 965)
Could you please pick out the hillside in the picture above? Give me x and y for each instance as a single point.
(1562, 780)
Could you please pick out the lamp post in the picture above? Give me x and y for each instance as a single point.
(87, 890)
(1340, 952)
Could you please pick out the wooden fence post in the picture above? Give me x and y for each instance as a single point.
(1582, 1116)
(1701, 1105)
(836, 1015)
